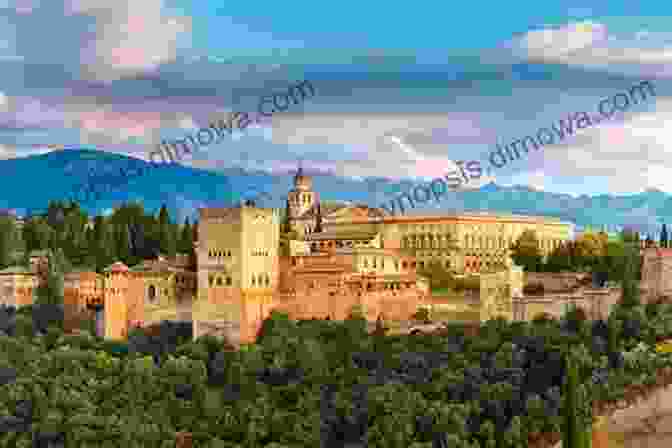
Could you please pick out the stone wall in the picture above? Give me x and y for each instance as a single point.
(556, 281)
(596, 302)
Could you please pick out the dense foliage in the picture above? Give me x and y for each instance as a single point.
(129, 234)
(317, 383)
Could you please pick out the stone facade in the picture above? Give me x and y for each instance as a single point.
(656, 273)
(238, 268)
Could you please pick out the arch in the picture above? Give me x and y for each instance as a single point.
(151, 293)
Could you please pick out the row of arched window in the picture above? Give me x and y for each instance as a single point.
(219, 253)
(260, 253)
(304, 198)
(261, 280)
(219, 280)
(429, 241)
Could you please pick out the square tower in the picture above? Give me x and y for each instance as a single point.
(238, 270)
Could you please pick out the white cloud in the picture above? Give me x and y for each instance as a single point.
(131, 37)
(590, 44)
(629, 156)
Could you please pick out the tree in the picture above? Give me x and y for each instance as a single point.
(186, 244)
(572, 429)
(630, 294)
(102, 246)
(37, 234)
(525, 251)
(589, 248)
(167, 237)
(8, 241)
(663, 237)
(50, 289)
(561, 259)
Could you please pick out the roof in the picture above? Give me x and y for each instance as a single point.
(342, 235)
(157, 266)
(660, 252)
(117, 267)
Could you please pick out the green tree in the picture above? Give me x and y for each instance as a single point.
(36, 234)
(102, 245)
(572, 429)
(9, 241)
(50, 288)
(167, 234)
(560, 259)
(525, 251)
(664, 240)
(186, 245)
(630, 295)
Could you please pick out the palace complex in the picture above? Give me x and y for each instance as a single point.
(337, 259)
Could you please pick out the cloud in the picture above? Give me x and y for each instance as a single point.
(628, 156)
(590, 44)
(132, 37)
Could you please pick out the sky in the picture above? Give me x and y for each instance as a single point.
(402, 90)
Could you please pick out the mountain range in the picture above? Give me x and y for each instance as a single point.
(31, 182)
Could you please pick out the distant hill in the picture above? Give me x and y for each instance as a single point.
(30, 183)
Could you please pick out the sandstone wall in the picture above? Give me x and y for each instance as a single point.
(556, 281)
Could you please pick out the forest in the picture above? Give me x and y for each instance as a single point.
(318, 383)
(129, 234)
(308, 383)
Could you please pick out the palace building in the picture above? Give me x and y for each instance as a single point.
(463, 243)
(342, 259)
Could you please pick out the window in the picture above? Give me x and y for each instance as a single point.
(254, 280)
(219, 281)
(228, 281)
(268, 280)
(151, 293)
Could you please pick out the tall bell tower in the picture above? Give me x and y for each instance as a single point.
(302, 197)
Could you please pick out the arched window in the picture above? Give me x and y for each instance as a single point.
(151, 293)
(268, 280)
(228, 281)
(254, 280)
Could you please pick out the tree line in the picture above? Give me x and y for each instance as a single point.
(607, 259)
(129, 234)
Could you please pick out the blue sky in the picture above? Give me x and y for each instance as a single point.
(402, 90)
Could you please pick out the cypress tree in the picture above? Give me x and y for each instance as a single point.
(663, 236)
(630, 285)
(572, 432)
(167, 233)
(186, 243)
